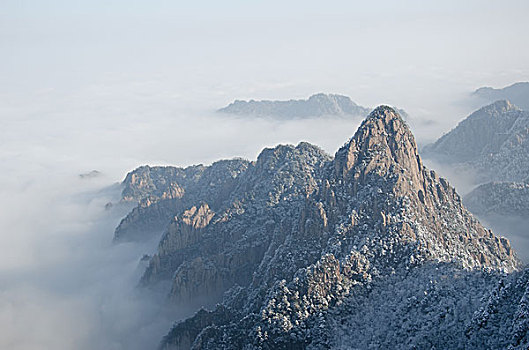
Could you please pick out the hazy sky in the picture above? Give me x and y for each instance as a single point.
(110, 85)
(205, 53)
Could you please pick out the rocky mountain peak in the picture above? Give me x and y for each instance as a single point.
(381, 142)
(379, 176)
(299, 236)
(495, 109)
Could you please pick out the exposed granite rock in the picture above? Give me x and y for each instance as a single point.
(184, 333)
(226, 249)
(152, 183)
(302, 235)
(492, 146)
(162, 192)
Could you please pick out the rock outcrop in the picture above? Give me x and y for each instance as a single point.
(492, 146)
(204, 260)
(162, 192)
(306, 245)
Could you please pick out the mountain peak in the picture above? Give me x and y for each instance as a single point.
(384, 121)
(490, 142)
(383, 139)
(299, 235)
(496, 108)
(384, 110)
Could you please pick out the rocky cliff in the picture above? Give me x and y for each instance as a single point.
(306, 247)
(161, 192)
(207, 250)
(493, 145)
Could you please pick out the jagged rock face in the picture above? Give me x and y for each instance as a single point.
(499, 198)
(315, 106)
(154, 183)
(226, 248)
(518, 93)
(302, 235)
(503, 322)
(162, 192)
(493, 141)
(406, 197)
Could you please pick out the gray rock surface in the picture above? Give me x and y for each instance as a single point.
(305, 249)
(161, 192)
(493, 145)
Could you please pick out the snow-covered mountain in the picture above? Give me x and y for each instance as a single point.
(500, 198)
(493, 142)
(317, 105)
(503, 321)
(366, 249)
(163, 191)
(492, 147)
(504, 207)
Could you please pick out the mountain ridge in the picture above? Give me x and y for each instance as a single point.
(316, 105)
(518, 93)
(493, 141)
(301, 235)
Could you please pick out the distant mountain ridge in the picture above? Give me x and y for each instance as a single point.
(317, 105)
(493, 145)
(307, 251)
(493, 141)
(500, 198)
(517, 93)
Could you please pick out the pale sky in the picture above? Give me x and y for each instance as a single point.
(381, 51)
(88, 68)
